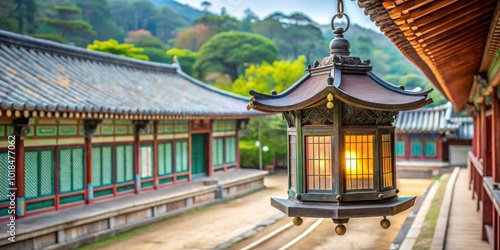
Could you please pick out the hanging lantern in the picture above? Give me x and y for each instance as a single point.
(341, 138)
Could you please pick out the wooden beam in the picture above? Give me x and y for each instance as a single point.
(495, 128)
(444, 12)
(406, 7)
(429, 8)
(19, 181)
(454, 37)
(449, 23)
(494, 28)
(88, 170)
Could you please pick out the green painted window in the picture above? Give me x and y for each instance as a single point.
(400, 148)
(430, 148)
(102, 166)
(124, 163)
(218, 151)
(146, 161)
(416, 148)
(164, 159)
(39, 173)
(224, 125)
(181, 157)
(4, 175)
(71, 170)
(230, 149)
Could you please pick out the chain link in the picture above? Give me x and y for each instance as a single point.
(340, 8)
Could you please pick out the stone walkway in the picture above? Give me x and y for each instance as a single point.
(464, 228)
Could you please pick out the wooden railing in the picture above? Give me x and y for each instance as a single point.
(476, 178)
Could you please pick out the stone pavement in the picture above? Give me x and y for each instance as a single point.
(213, 226)
(219, 226)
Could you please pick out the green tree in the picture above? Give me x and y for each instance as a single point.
(143, 39)
(67, 23)
(266, 77)
(228, 52)
(25, 16)
(7, 20)
(185, 57)
(98, 14)
(219, 23)
(113, 47)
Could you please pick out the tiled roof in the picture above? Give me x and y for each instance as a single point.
(42, 75)
(437, 119)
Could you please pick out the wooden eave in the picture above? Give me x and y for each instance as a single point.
(357, 87)
(450, 41)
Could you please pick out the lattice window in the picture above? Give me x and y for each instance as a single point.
(400, 148)
(124, 163)
(230, 146)
(430, 148)
(39, 173)
(416, 148)
(146, 161)
(181, 157)
(4, 175)
(293, 161)
(165, 158)
(218, 151)
(387, 168)
(102, 166)
(71, 170)
(319, 162)
(359, 161)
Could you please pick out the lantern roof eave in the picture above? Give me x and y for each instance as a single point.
(354, 84)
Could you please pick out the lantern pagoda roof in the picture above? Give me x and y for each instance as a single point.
(348, 79)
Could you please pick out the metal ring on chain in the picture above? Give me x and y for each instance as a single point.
(340, 8)
(346, 17)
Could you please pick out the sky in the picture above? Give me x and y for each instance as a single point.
(320, 11)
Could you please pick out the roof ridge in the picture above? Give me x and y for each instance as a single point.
(73, 51)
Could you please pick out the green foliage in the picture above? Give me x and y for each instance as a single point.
(7, 20)
(185, 57)
(267, 77)
(218, 23)
(113, 47)
(51, 37)
(272, 134)
(143, 39)
(66, 22)
(98, 14)
(156, 55)
(193, 37)
(227, 52)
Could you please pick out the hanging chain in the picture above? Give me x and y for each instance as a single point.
(340, 14)
(340, 8)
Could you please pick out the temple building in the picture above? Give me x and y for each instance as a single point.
(82, 127)
(431, 139)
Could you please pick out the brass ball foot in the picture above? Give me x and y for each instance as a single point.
(385, 223)
(340, 229)
(297, 221)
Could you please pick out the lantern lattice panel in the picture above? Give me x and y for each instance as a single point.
(318, 162)
(359, 161)
(386, 161)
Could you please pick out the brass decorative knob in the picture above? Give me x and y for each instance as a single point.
(340, 229)
(385, 223)
(297, 221)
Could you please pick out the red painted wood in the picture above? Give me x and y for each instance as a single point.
(487, 213)
(483, 135)
(237, 144)
(495, 137)
(210, 149)
(88, 165)
(19, 156)
(137, 148)
(155, 155)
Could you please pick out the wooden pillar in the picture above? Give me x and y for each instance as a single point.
(495, 133)
(137, 149)
(210, 149)
(88, 166)
(155, 154)
(19, 181)
(237, 142)
(483, 133)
